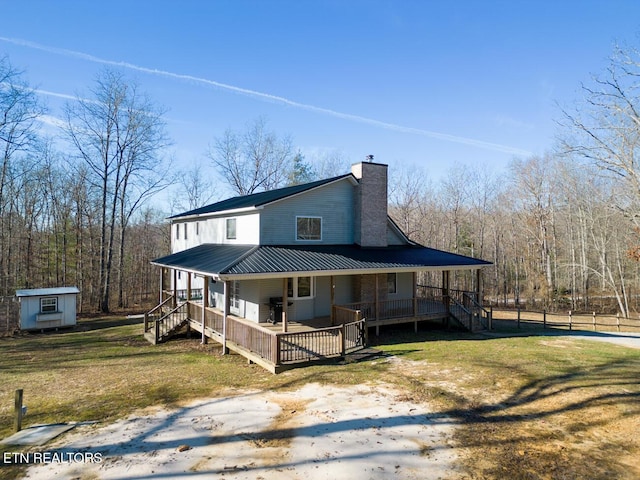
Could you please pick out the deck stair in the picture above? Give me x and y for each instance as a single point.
(469, 314)
(163, 322)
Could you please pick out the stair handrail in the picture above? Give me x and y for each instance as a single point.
(483, 313)
(162, 321)
(152, 312)
(465, 310)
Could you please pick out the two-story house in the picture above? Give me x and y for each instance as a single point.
(321, 252)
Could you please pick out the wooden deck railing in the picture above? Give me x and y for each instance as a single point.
(212, 317)
(281, 348)
(399, 308)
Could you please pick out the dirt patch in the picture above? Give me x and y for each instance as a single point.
(281, 431)
(316, 431)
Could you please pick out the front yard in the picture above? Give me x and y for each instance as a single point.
(523, 407)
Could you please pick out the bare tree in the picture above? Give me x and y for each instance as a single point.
(196, 189)
(119, 135)
(253, 160)
(19, 109)
(533, 183)
(407, 190)
(605, 128)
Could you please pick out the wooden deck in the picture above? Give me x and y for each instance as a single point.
(268, 345)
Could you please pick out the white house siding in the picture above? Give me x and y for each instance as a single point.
(214, 230)
(393, 238)
(404, 286)
(332, 202)
(344, 289)
(269, 288)
(322, 304)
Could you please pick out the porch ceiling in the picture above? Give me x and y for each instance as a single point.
(242, 261)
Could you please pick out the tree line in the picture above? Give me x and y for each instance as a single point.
(561, 228)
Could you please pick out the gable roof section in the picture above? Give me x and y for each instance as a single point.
(258, 199)
(237, 261)
(206, 259)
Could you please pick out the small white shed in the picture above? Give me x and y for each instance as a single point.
(42, 308)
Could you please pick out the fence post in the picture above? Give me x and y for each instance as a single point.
(491, 318)
(18, 410)
(276, 349)
(618, 320)
(544, 319)
(594, 321)
(518, 317)
(343, 340)
(570, 328)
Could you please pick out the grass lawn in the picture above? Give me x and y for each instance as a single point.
(526, 407)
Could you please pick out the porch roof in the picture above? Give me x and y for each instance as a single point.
(254, 261)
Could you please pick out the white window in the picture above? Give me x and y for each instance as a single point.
(301, 287)
(234, 295)
(177, 231)
(308, 228)
(197, 228)
(392, 283)
(185, 231)
(231, 228)
(49, 305)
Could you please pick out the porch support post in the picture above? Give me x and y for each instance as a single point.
(162, 273)
(225, 314)
(175, 288)
(414, 279)
(479, 286)
(188, 286)
(445, 292)
(205, 304)
(415, 293)
(333, 297)
(377, 304)
(285, 301)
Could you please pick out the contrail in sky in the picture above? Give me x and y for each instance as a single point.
(271, 98)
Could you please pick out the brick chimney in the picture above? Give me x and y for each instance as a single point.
(370, 203)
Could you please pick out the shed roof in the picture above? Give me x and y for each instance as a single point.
(258, 199)
(44, 292)
(273, 260)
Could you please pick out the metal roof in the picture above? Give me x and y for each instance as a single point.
(206, 258)
(43, 292)
(258, 199)
(264, 260)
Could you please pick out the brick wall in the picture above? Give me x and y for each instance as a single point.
(370, 204)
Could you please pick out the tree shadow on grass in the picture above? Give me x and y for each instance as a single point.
(575, 392)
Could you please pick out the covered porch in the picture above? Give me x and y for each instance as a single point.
(329, 298)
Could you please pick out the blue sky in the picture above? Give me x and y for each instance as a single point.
(416, 83)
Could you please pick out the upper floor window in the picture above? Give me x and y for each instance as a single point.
(177, 231)
(231, 228)
(49, 305)
(308, 228)
(185, 231)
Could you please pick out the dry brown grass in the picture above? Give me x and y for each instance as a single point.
(525, 407)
